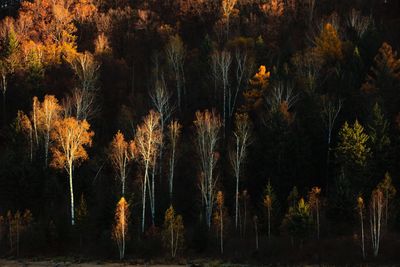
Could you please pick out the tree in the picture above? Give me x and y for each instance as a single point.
(82, 102)
(352, 148)
(255, 222)
(161, 101)
(244, 198)
(8, 57)
(315, 204)
(227, 9)
(120, 157)
(173, 231)
(375, 218)
(120, 229)
(175, 129)
(298, 221)
(388, 191)
(219, 218)
(259, 83)
(175, 52)
(242, 134)
(24, 126)
(70, 137)
(378, 130)
(328, 45)
(269, 198)
(17, 225)
(384, 73)
(222, 62)
(147, 139)
(360, 209)
(293, 197)
(207, 125)
(49, 113)
(330, 112)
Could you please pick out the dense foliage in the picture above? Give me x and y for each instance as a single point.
(210, 125)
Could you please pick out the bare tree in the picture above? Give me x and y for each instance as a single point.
(176, 52)
(330, 112)
(281, 93)
(360, 208)
(375, 218)
(222, 61)
(238, 153)
(174, 134)
(207, 125)
(161, 102)
(83, 98)
(359, 23)
(147, 139)
(242, 75)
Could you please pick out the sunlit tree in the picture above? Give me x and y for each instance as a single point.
(120, 157)
(120, 228)
(207, 125)
(238, 153)
(173, 231)
(49, 113)
(70, 137)
(352, 148)
(227, 9)
(147, 139)
(328, 45)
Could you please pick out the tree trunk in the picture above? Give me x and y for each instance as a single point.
(144, 197)
(362, 234)
(71, 194)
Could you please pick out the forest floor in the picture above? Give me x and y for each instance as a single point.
(50, 263)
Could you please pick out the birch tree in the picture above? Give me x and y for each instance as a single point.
(219, 218)
(49, 113)
(315, 204)
(147, 139)
(330, 112)
(120, 158)
(82, 102)
(173, 231)
(161, 102)
(238, 153)
(175, 52)
(222, 61)
(207, 125)
(361, 208)
(255, 222)
(389, 191)
(70, 137)
(120, 229)
(375, 219)
(174, 133)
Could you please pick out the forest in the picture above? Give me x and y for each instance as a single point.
(239, 131)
